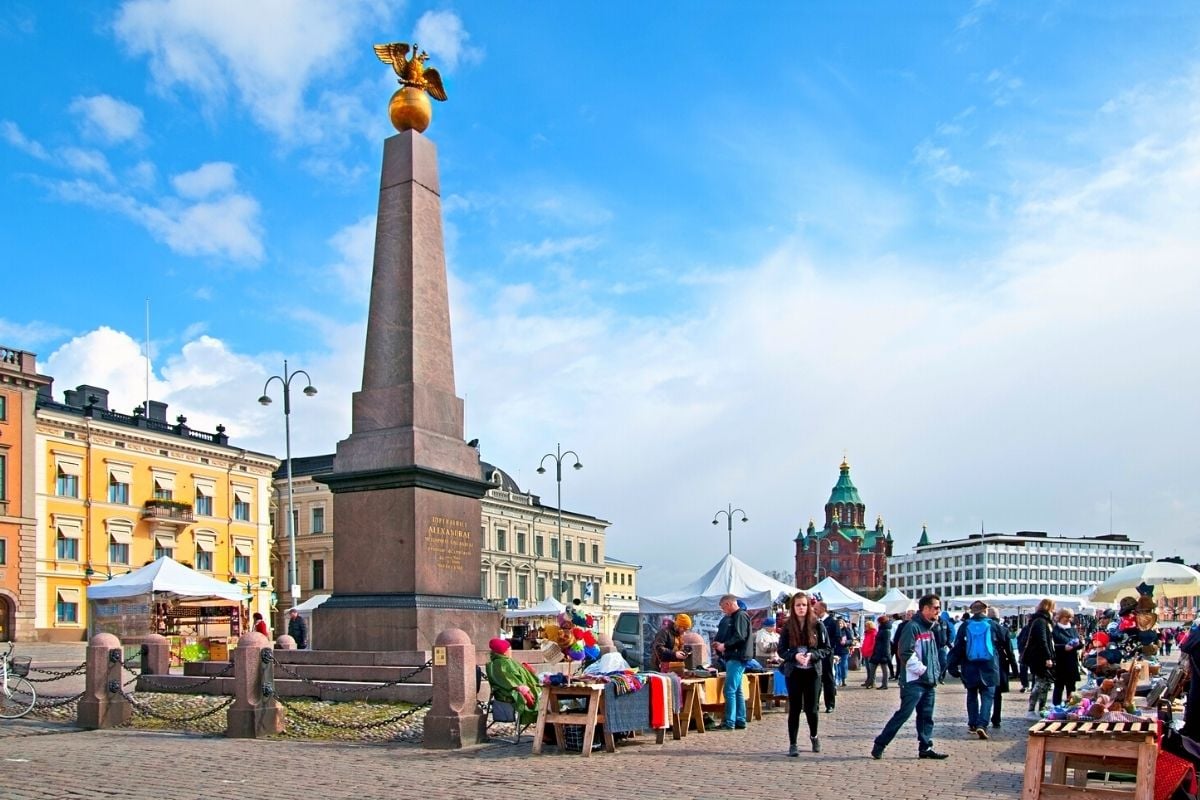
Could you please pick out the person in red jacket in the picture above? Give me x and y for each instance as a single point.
(260, 625)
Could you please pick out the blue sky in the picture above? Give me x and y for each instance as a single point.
(711, 251)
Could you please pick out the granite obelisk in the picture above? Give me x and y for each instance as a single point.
(406, 486)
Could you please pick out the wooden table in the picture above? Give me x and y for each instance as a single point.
(691, 707)
(1110, 746)
(551, 713)
(754, 698)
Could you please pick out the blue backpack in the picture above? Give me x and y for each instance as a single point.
(980, 646)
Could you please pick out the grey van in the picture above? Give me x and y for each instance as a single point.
(627, 637)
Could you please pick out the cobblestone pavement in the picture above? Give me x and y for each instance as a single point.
(52, 760)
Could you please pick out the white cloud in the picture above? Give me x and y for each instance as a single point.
(142, 175)
(267, 54)
(939, 164)
(554, 248)
(24, 335)
(13, 135)
(86, 161)
(106, 118)
(443, 35)
(355, 247)
(227, 227)
(215, 177)
(1004, 86)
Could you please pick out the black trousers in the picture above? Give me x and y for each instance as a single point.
(804, 695)
(828, 681)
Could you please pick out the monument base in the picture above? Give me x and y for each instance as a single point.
(401, 621)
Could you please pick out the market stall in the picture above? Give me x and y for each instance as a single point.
(201, 616)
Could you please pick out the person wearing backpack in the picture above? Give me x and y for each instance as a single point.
(975, 658)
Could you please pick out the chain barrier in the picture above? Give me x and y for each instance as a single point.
(352, 726)
(45, 702)
(144, 708)
(328, 687)
(55, 674)
(192, 687)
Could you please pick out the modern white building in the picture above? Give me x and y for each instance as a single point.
(1024, 563)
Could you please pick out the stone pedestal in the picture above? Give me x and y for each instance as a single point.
(454, 720)
(406, 487)
(156, 655)
(99, 707)
(251, 714)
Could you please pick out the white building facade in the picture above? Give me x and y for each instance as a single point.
(997, 565)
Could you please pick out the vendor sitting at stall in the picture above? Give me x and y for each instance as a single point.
(512, 682)
(668, 642)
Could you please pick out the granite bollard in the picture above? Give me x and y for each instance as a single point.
(454, 720)
(285, 642)
(253, 713)
(156, 655)
(99, 707)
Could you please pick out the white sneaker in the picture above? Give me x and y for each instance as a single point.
(1033, 716)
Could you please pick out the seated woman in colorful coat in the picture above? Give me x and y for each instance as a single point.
(512, 682)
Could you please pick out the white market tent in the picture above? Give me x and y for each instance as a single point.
(166, 577)
(313, 602)
(547, 608)
(838, 598)
(897, 602)
(730, 575)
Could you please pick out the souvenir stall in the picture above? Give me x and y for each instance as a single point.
(200, 616)
(1119, 720)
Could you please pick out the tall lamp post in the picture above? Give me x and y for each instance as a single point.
(285, 380)
(557, 456)
(729, 512)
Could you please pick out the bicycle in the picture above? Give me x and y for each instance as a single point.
(17, 694)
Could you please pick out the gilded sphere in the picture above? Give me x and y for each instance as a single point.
(410, 110)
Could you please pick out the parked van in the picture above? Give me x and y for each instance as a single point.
(627, 637)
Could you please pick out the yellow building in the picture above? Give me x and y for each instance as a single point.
(117, 491)
(619, 593)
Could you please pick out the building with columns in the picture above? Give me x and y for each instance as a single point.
(844, 547)
(520, 548)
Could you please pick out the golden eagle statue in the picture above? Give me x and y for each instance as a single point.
(410, 108)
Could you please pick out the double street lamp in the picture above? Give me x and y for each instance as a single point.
(285, 380)
(729, 511)
(557, 456)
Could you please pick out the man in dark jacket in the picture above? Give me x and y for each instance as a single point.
(732, 642)
(298, 629)
(920, 666)
(975, 657)
(828, 676)
(1190, 648)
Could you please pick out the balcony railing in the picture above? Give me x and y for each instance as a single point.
(168, 510)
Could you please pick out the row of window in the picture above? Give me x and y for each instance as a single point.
(539, 546)
(505, 586)
(618, 579)
(1031, 559)
(66, 484)
(968, 590)
(316, 521)
(67, 549)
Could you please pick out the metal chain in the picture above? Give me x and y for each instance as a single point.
(144, 708)
(55, 674)
(150, 687)
(327, 687)
(45, 702)
(352, 726)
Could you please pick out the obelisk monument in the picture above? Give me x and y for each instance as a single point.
(406, 486)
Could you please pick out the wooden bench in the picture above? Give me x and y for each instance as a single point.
(1127, 747)
(551, 713)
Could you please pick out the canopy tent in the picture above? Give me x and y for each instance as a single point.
(838, 598)
(897, 602)
(1168, 578)
(547, 608)
(1016, 604)
(167, 577)
(730, 575)
(312, 602)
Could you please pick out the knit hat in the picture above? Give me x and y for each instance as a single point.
(769, 622)
(683, 622)
(499, 646)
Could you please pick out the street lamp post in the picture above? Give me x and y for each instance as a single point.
(557, 457)
(285, 381)
(729, 512)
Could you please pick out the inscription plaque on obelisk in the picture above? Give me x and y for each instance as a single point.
(406, 486)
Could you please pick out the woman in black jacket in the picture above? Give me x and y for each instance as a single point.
(1066, 655)
(1038, 655)
(802, 645)
(881, 653)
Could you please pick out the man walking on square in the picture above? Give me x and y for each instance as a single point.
(975, 657)
(828, 678)
(919, 667)
(732, 642)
